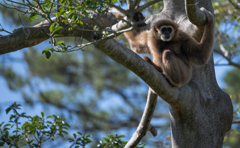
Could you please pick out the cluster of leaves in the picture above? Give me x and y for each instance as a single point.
(37, 130)
(33, 132)
(114, 141)
(225, 11)
(82, 141)
(67, 12)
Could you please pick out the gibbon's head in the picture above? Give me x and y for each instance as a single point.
(165, 29)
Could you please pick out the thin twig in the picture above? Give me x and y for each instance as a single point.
(219, 60)
(4, 30)
(228, 59)
(25, 29)
(105, 38)
(117, 7)
(236, 6)
(12, 8)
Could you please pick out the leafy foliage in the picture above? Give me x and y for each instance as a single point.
(33, 132)
(37, 130)
(114, 141)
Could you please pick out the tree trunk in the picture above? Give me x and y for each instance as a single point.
(203, 112)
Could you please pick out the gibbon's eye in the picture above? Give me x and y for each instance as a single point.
(165, 29)
(169, 30)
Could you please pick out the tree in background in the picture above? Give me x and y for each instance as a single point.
(85, 80)
(227, 46)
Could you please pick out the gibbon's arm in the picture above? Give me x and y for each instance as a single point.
(138, 43)
(199, 53)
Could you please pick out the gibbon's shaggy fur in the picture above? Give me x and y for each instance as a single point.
(173, 50)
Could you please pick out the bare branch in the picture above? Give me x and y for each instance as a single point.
(153, 130)
(223, 49)
(12, 7)
(117, 7)
(4, 30)
(132, 4)
(230, 62)
(136, 3)
(236, 121)
(129, 3)
(141, 8)
(144, 124)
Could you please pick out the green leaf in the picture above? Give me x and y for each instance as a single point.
(51, 27)
(61, 135)
(8, 109)
(46, 50)
(80, 22)
(70, 140)
(65, 132)
(33, 16)
(61, 9)
(6, 125)
(49, 117)
(48, 54)
(42, 113)
(58, 14)
(69, 13)
(60, 42)
(74, 135)
(89, 135)
(1, 123)
(15, 131)
(57, 28)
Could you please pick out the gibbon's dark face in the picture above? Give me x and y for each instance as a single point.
(167, 33)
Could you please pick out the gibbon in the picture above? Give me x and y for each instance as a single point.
(173, 50)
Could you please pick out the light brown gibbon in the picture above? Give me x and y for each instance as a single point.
(173, 50)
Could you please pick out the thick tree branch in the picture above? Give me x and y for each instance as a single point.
(135, 63)
(18, 39)
(38, 33)
(195, 15)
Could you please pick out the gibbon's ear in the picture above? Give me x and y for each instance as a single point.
(154, 28)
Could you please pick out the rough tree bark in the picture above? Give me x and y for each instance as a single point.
(201, 113)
